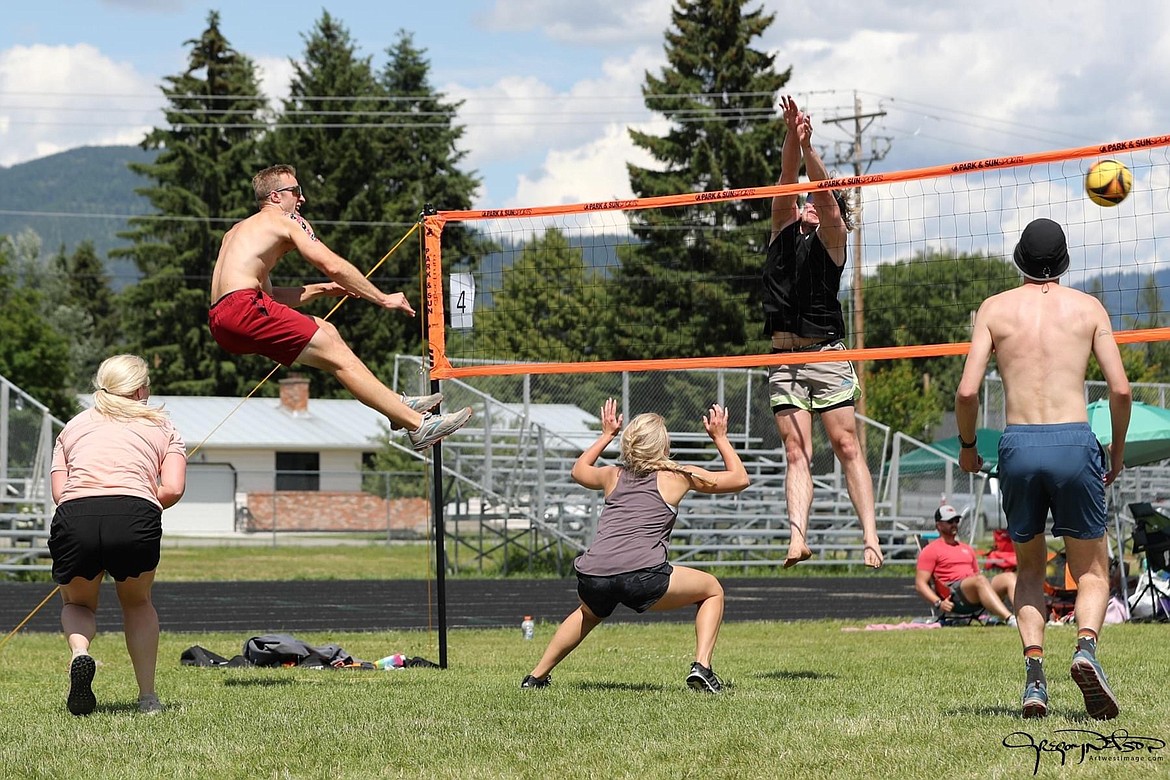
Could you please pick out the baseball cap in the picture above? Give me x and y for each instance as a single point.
(945, 512)
(1042, 253)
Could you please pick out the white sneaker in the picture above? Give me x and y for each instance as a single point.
(418, 403)
(437, 426)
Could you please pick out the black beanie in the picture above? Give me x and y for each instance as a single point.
(1042, 253)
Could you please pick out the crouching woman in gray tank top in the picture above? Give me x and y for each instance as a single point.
(627, 562)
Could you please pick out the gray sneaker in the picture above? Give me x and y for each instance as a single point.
(437, 426)
(1035, 701)
(150, 705)
(1100, 702)
(418, 403)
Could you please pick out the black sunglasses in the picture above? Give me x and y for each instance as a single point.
(295, 190)
(951, 520)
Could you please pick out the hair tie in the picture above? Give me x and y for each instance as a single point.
(104, 390)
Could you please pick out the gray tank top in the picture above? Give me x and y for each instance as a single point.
(633, 531)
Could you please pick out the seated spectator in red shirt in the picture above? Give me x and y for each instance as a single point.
(948, 575)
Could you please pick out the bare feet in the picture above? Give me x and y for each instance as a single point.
(797, 552)
(797, 549)
(873, 556)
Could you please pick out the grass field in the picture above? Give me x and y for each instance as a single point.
(809, 701)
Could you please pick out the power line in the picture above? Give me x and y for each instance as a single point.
(179, 218)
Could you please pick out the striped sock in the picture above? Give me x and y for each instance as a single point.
(1087, 641)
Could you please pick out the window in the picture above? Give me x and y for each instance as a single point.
(298, 471)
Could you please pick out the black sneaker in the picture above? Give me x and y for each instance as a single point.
(703, 679)
(81, 700)
(536, 682)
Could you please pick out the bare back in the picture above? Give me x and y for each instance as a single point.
(249, 251)
(1042, 335)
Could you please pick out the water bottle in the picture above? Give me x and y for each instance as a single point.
(527, 627)
(391, 662)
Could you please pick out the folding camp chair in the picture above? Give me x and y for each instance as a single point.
(1060, 590)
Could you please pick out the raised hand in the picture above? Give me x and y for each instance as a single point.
(611, 421)
(790, 111)
(715, 421)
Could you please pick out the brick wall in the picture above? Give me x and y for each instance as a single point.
(309, 510)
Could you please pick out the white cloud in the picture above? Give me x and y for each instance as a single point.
(594, 171)
(506, 121)
(275, 74)
(596, 23)
(61, 97)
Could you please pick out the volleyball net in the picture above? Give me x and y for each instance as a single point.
(674, 282)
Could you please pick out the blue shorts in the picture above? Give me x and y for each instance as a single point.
(639, 590)
(1058, 468)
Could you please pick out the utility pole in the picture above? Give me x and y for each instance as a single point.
(853, 153)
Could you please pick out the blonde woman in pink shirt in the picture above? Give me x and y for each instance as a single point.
(116, 466)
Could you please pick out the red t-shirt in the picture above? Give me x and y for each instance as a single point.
(948, 562)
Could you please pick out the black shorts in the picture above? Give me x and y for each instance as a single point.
(121, 535)
(959, 604)
(638, 590)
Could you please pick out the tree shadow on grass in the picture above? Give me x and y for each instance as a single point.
(782, 674)
(619, 686)
(990, 711)
(257, 681)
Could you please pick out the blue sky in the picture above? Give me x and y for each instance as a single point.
(551, 86)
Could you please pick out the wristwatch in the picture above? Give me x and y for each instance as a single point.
(938, 604)
(967, 445)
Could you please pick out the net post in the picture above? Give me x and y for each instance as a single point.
(433, 224)
(436, 343)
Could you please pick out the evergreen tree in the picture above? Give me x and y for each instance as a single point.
(371, 151)
(81, 303)
(34, 355)
(549, 284)
(692, 285)
(327, 131)
(201, 184)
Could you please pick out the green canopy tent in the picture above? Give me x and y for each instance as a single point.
(923, 461)
(1148, 438)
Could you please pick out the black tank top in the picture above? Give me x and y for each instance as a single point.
(801, 283)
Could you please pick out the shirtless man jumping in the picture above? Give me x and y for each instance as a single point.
(1049, 460)
(251, 317)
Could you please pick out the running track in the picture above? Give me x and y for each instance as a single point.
(381, 605)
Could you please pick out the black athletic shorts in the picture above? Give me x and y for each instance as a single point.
(638, 590)
(960, 607)
(116, 534)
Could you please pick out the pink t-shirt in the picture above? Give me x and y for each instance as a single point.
(948, 562)
(104, 457)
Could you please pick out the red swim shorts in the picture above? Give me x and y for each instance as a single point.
(250, 322)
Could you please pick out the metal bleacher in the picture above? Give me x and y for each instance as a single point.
(27, 432)
(511, 503)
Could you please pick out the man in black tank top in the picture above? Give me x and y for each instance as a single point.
(802, 278)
